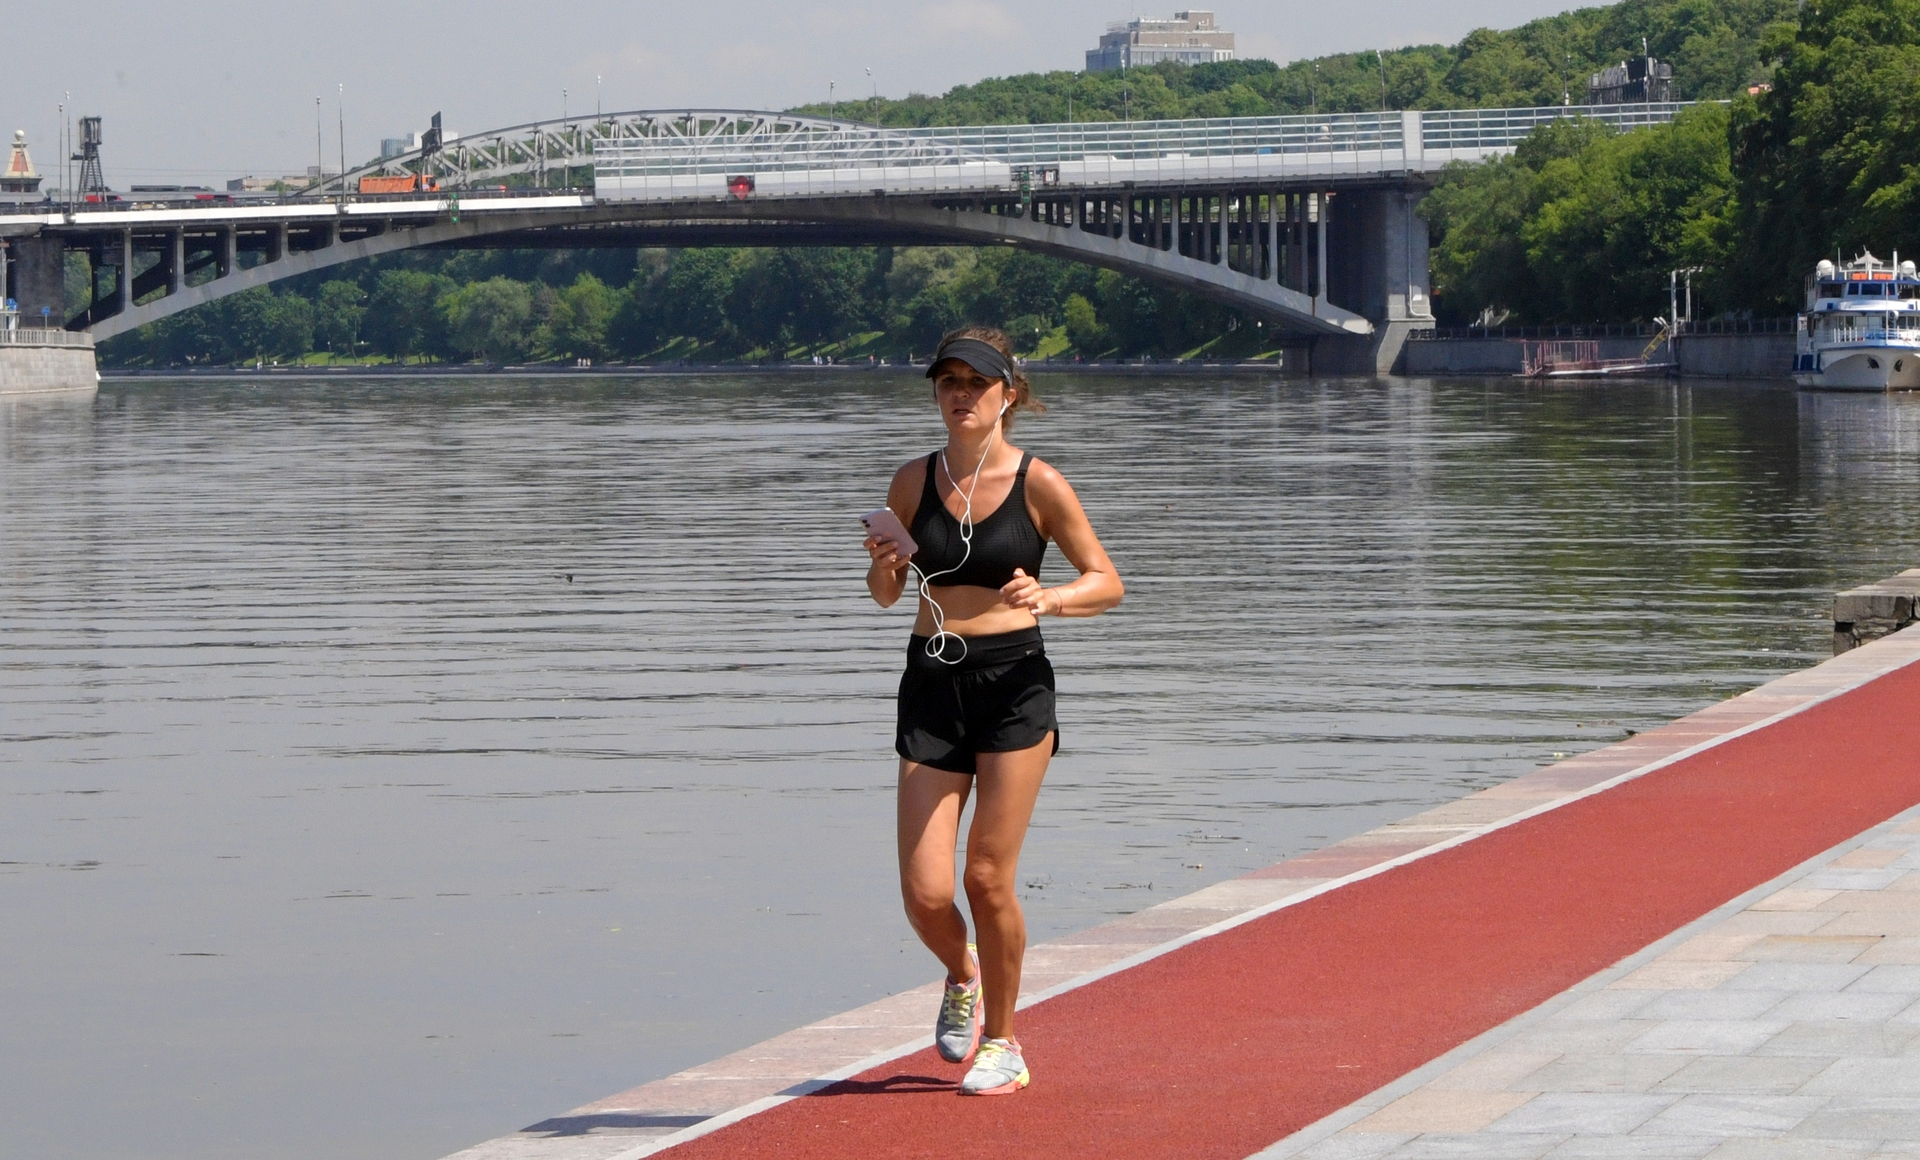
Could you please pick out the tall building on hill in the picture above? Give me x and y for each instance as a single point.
(1189, 38)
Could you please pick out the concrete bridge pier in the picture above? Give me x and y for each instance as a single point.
(1382, 277)
(38, 354)
(37, 278)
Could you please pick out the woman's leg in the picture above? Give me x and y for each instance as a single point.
(930, 802)
(1009, 785)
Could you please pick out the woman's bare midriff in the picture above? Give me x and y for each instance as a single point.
(971, 611)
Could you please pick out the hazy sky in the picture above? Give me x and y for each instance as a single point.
(206, 91)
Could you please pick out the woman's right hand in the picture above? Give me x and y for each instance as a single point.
(885, 553)
(887, 579)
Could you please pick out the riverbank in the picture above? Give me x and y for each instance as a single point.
(1353, 992)
(617, 370)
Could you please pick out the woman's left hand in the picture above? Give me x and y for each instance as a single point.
(1024, 592)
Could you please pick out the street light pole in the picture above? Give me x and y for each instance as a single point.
(342, 109)
(319, 147)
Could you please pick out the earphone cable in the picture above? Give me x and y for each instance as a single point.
(936, 644)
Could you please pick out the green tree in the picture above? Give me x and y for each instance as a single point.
(404, 317)
(491, 319)
(580, 318)
(1614, 219)
(1826, 159)
(1582, 224)
(932, 313)
(693, 295)
(338, 314)
(263, 324)
(1083, 325)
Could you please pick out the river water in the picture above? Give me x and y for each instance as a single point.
(388, 764)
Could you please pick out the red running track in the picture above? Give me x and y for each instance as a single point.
(1229, 1044)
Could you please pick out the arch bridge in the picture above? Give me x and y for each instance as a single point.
(1307, 222)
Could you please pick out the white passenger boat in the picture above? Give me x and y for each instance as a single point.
(1861, 330)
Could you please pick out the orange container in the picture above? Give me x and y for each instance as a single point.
(411, 183)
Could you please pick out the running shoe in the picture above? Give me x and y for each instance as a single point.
(998, 1070)
(957, 1032)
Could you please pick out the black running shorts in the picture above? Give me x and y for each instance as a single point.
(998, 698)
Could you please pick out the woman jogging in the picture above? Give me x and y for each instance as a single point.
(976, 711)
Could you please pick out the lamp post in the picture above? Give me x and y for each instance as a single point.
(341, 109)
(319, 147)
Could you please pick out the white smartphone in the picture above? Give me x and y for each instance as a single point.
(887, 526)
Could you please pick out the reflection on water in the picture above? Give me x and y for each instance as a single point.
(392, 764)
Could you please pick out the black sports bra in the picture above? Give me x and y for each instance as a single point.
(1002, 542)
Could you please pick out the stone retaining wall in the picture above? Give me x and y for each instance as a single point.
(1871, 611)
(32, 369)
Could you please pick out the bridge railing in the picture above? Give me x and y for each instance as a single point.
(43, 336)
(717, 154)
(1489, 131)
(804, 156)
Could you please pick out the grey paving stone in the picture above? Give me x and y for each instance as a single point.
(1847, 1118)
(1789, 1148)
(1719, 1003)
(1908, 1021)
(1836, 878)
(1478, 1146)
(1708, 1036)
(1834, 1040)
(1897, 1075)
(1578, 1037)
(1353, 1146)
(1796, 977)
(1604, 1073)
(1766, 1075)
(1822, 1006)
(1900, 979)
(1583, 1113)
(1731, 1115)
(1641, 1147)
(1608, 1004)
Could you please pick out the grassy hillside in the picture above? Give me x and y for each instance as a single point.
(1713, 45)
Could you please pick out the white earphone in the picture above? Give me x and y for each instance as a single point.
(936, 644)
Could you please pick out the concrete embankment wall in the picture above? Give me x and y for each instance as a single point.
(1491, 356)
(1707, 356)
(29, 369)
(1736, 356)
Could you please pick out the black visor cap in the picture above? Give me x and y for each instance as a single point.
(979, 355)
